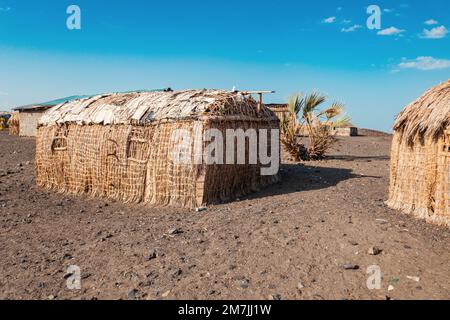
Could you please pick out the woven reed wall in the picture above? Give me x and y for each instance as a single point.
(225, 182)
(133, 164)
(420, 178)
(14, 130)
(13, 124)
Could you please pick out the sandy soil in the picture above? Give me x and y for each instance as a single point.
(289, 241)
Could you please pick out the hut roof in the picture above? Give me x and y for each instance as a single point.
(428, 116)
(277, 107)
(42, 106)
(146, 107)
(48, 104)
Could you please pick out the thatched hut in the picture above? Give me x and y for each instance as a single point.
(121, 146)
(14, 124)
(280, 109)
(420, 162)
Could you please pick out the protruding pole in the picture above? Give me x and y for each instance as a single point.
(259, 102)
(260, 94)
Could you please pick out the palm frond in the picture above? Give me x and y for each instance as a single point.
(342, 122)
(294, 103)
(312, 101)
(305, 118)
(333, 111)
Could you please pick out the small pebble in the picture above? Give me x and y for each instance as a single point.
(165, 294)
(132, 294)
(175, 272)
(152, 254)
(350, 266)
(244, 284)
(416, 279)
(374, 251)
(174, 231)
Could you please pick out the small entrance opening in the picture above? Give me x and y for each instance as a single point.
(59, 142)
(138, 146)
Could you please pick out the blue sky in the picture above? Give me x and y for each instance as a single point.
(287, 46)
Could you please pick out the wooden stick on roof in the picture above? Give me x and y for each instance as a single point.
(259, 93)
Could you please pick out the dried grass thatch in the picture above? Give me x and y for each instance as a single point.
(428, 116)
(119, 146)
(420, 158)
(141, 108)
(14, 124)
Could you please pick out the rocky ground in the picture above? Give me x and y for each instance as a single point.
(312, 236)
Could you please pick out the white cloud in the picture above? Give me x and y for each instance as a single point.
(390, 31)
(435, 33)
(425, 64)
(388, 10)
(431, 22)
(352, 28)
(346, 21)
(329, 20)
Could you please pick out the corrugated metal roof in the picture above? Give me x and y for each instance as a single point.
(48, 104)
(52, 103)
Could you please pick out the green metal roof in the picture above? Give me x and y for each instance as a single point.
(49, 104)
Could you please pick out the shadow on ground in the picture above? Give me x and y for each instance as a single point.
(359, 158)
(299, 177)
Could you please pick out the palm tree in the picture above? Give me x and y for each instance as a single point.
(304, 113)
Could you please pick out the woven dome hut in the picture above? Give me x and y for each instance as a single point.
(14, 124)
(420, 159)
(121, 146)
